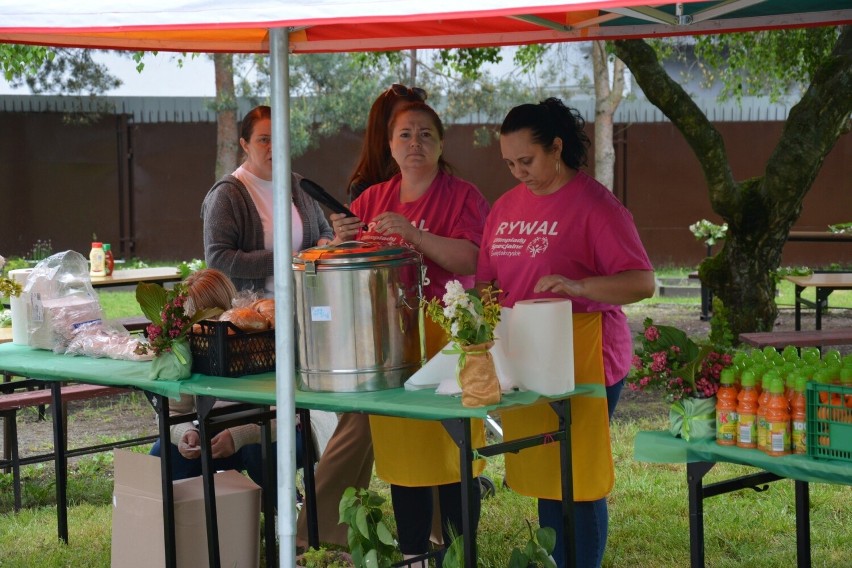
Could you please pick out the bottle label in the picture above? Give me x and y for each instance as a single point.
(799, 437)
(762, 428)
(747, 428)
(778, 438)
(726, 425)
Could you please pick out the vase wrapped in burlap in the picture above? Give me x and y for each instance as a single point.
(478, 376)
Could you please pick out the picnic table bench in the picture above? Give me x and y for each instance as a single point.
(13, 400)
(814, 338)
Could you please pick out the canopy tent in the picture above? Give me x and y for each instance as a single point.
(363, 25)
(284, 26)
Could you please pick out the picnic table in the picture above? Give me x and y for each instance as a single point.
(700, 457)
(259, 390)
(825, 283)
(131, 276)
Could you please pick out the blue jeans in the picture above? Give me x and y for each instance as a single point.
(247, 458)
(591, 518)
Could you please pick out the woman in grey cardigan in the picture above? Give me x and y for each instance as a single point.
(237, 213)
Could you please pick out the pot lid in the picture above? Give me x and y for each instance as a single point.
(352, 252)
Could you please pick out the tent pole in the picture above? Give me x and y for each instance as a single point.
(284, 312)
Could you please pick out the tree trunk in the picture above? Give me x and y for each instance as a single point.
(607, 99)
(227, 137)
(759, 211)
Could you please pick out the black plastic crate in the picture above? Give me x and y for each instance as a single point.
(215, 351)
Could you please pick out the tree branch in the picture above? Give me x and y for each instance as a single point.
(679, 107)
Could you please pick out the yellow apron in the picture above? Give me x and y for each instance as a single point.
(535, 471)
(420, 453)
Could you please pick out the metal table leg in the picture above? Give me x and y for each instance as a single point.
(60, 460)
(160, 404)
(308, 475)
(803, 525)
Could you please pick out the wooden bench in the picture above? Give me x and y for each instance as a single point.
(815, 338)
(12, 402)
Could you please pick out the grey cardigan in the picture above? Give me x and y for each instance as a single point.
(233, 232)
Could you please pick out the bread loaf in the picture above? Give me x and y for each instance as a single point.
(266, 307)
(246, 319)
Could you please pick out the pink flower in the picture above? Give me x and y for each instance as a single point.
(652, 333)
(637, 362)
(659, 361)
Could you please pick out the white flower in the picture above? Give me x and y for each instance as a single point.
(2, 262)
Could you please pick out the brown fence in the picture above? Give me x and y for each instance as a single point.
(140, 186)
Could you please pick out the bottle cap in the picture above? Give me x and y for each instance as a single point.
(727, 377)
(97, 245)
(747, 378)
(776, 386)
(106, 246)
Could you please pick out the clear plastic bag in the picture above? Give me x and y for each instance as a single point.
(62, 300)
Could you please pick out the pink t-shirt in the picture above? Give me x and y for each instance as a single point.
(581, 230)
(451, 207)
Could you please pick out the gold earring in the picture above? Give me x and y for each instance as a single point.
(558, 167)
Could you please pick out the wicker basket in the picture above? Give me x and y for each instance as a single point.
(221, 348)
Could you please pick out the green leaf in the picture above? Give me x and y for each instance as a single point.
(384, 534)
(546, 537)
(371, 559)
(518, 560)
(361, 521)
(151, 298)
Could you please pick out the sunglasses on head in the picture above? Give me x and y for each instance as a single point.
(403, 91)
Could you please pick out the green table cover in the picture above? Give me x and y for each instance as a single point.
(46, 365)
(255, 389)
(662, 447)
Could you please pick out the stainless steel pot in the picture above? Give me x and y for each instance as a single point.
(359, 324)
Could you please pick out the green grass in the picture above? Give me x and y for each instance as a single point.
(648, 517)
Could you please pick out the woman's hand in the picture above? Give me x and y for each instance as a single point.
(345, 228)
(558, 284)
(617, 289)
(188, 445)
(389, 223)
(222, 445)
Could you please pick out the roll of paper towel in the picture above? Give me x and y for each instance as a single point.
(20, 308)
(541, 345)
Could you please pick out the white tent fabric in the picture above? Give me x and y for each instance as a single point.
(282, 26)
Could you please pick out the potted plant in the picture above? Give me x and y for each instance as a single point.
(688, 375)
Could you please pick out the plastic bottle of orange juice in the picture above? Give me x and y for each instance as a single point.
(798, 417)
(777, 420)
(747, 412)
(726, 409)
(762, 408)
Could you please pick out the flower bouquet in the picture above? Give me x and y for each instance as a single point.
(688, 375)
(8, 287)
(470, 319)
(168, 328)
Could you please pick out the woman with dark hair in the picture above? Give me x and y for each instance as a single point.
(375, 163)
(426, 208)
(588, 251)
(237, 212)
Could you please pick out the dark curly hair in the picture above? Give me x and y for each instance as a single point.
(548, 120)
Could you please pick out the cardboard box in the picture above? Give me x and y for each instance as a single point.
(137, 517)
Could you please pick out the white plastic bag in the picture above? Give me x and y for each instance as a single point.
(62, 300)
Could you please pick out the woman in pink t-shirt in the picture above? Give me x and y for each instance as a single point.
(558, 234)
(426, 208)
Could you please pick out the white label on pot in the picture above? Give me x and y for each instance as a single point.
(321, 313)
